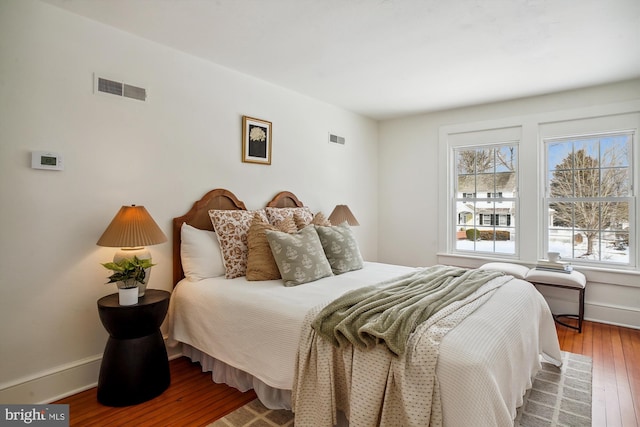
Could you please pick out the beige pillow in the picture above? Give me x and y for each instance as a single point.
(231, 227)
(340, 247)
(318, 219)
(260, 262)
(299, 256)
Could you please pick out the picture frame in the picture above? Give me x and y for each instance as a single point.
(256, 140)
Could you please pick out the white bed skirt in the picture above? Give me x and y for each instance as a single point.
(222, 373)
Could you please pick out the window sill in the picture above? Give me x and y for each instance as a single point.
(594, 274)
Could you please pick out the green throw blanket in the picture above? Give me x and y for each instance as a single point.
(390, 311)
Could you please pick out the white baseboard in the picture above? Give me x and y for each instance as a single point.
(53, 384)
(612, 315)
(618, 316)
(59, 382)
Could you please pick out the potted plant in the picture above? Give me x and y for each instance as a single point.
(128, 274)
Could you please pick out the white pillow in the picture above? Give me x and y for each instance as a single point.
(516, 270)
(200, 254)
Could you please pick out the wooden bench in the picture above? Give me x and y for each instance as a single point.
(574, 281)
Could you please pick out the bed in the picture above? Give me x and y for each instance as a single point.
(252, 334)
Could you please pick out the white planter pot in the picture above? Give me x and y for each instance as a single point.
(128, 296)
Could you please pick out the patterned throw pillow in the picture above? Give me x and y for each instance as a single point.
(299, 256)
(231, 227)
(318, 219)
(260, 262)
(277, 215)
(340, 247)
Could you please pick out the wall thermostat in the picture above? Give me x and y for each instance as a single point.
(46, 160)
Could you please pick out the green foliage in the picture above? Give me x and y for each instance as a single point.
(494, 235)
(473, 234)
(128, 270)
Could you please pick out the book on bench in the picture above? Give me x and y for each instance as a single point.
(555, 266)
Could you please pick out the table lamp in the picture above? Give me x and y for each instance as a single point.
(342, 213)
(131, 230)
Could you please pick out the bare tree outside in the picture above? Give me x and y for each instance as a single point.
(506, 157)
(484, 160)
(590, 181)
(474, 161)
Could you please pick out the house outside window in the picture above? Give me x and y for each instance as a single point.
(589, 198)
(485, 198)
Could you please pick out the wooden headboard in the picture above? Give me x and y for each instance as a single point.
(285, 199)
(198, 217)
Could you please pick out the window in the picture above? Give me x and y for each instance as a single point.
(486, 223)
(520, 187)
(589, 197)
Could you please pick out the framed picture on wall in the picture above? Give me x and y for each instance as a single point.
(256, 140)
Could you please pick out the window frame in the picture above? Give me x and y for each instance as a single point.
(630, 198)
(491, 220)
(530, 128)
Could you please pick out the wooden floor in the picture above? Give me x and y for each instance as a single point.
(194, 400)
(616, 370)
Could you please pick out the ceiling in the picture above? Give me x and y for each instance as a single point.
(389, 58)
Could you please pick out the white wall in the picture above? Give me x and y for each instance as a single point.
(413, 182)
(163, 154)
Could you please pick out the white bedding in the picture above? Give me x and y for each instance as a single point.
(255, 326)
(485, 365)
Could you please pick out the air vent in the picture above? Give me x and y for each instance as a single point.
(336, 139)
(117, 88)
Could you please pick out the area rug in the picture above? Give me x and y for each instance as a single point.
(559, 397)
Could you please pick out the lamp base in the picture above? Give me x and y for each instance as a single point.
(141, 253)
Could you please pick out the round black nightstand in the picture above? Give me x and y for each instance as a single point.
(135, 366)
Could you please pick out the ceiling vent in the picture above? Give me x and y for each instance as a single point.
(117, 88)
(336, 139)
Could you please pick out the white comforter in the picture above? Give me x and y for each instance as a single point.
(255, 326)
(486, 363)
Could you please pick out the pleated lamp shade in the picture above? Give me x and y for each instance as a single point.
(132, 227)
(342, 213)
